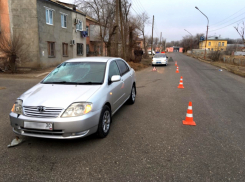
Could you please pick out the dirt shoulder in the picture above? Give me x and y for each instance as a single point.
(238, 70)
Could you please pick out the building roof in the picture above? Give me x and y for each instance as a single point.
(66, 6)
(215, 38)
(79, 11)
(91, 19)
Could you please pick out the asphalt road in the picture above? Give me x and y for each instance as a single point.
(147, 141)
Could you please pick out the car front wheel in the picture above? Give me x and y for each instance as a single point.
(132, 97)
(105, 122)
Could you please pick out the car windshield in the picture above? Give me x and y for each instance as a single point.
(160, 56)
(77, 73)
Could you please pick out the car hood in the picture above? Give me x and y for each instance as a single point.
(49, 95)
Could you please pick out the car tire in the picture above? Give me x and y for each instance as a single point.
(132, 97)
(105, 122)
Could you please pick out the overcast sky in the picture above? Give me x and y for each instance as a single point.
(173, 16)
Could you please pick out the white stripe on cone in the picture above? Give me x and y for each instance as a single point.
(190, 107)
(189, 115)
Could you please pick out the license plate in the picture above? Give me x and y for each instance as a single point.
(158, 62)
(35, 125)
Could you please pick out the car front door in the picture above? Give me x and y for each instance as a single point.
(116, 88)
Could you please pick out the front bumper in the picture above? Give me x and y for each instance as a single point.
(63, 128)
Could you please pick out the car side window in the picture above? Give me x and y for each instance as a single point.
(123, 67)
(113, 69)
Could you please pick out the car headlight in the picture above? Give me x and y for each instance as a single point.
(17, 107)
(77, 109)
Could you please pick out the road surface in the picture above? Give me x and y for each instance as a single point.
(147, 141)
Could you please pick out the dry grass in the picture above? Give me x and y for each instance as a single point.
(1, 88)
(140, 66)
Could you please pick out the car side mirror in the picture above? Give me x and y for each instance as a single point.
(115, 78)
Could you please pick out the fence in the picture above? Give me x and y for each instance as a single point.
(236, 61)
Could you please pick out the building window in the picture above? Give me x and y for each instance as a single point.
(79, 25)
(79, 49)
(209, 43)
(51, 49)
(63, 20)
(223, 43)
(87, 29)
(221, 49)
(219, 44)
(49, 16)
(65, 49)
(212, 49)
(209, 49)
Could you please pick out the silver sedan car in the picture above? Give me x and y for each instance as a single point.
(76, 99)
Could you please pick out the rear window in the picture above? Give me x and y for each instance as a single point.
(160, 56)
(123, 67)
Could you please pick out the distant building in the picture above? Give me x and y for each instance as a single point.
(93, 40)
(214, 44)
(174, 49)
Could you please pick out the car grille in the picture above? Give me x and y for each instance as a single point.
(50, 112)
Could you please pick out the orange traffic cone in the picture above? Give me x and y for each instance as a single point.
(189, 116)
(181, 83)
(177, 70)
(176, 63)
(154, 69)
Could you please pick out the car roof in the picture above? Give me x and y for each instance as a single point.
(92, 59)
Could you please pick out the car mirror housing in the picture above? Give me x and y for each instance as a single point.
(115, 78)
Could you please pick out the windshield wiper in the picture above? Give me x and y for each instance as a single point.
(89, 83)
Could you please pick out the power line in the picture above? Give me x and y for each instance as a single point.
(136, 8)
(228, 25)
(229, 16)
(141, 6)
(230, 20)
(135, 11)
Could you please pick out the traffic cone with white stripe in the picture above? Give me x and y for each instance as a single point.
(176, 63)
(154, 69)
(181, 83)
(177, 69)
(189, 116)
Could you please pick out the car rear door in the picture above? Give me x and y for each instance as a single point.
(126, 77)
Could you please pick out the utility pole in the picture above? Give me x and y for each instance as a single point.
(122, 33)
(160, 42)
(117, 31)
(152, 37)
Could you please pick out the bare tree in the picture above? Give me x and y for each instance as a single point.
(241, 31)
(13, 47)
(142, 21)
